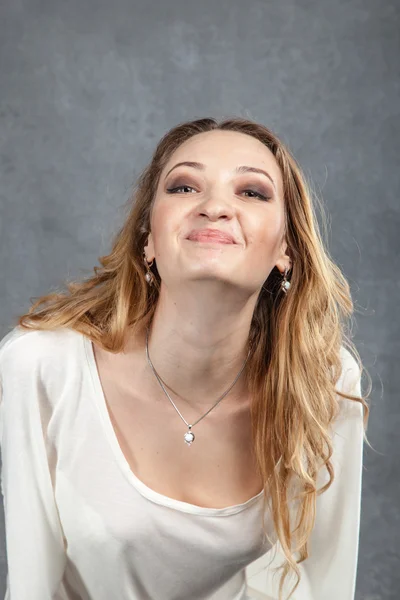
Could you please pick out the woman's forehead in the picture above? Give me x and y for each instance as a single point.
(226, 150)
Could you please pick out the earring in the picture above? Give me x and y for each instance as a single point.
(285, 284)
(149, 275)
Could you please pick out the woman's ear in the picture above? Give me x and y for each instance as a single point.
(284, 261)
(149, 248)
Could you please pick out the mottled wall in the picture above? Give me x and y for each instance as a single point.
(88, 87)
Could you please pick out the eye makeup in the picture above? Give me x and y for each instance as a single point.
(180, 182)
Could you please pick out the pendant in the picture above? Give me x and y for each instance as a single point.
(189, 436)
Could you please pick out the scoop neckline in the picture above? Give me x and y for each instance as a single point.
(101, 405)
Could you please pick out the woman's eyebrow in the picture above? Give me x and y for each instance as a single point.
(241, 169)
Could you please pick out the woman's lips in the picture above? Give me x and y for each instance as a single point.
(210, 236)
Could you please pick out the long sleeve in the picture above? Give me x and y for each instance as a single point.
(34, 541)
(329, 573)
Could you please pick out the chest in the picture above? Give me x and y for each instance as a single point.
(217, 470)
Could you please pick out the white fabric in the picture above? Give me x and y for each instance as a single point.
(81, 526)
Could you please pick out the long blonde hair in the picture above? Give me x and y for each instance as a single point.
(294, 339)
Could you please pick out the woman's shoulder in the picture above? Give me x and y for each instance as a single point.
(22, 349)
(349, 382)
(350, 368)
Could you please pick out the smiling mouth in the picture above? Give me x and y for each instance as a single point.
(210, 238)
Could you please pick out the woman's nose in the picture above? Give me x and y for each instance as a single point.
(216, 206)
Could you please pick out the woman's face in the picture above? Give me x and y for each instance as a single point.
(215, 194)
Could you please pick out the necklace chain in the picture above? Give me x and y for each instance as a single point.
(189, 435)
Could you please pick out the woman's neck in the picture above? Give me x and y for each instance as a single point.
(198, 347)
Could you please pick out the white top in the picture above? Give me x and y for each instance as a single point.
(81, 526)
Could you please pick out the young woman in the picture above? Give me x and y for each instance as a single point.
(190, 418)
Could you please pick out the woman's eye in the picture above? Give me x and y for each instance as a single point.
(261, 196)
(174, 190)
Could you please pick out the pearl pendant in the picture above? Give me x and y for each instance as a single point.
(286, 285)
(189, 437)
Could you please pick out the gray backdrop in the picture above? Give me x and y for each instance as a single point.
(87, 89)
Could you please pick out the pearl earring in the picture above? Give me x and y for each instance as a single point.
(285, 284)
(149, 275)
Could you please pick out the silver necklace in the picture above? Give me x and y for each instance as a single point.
(189, 435)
